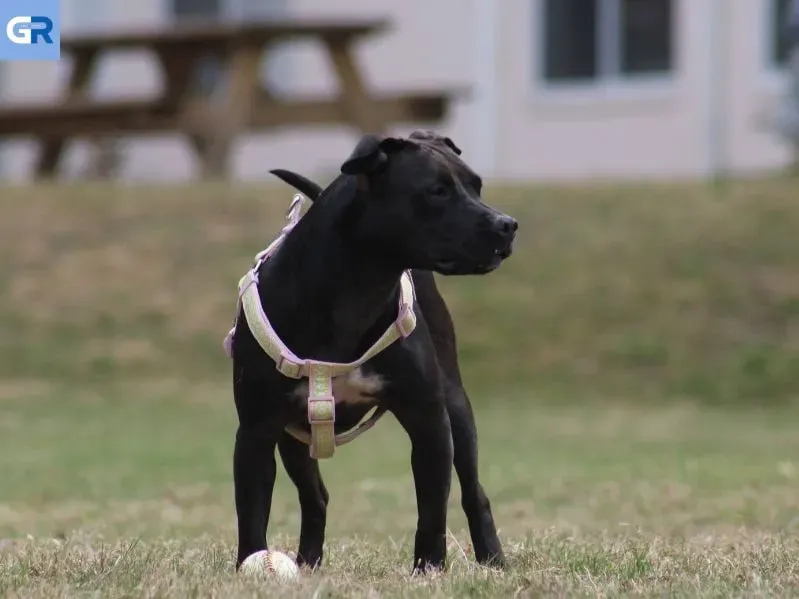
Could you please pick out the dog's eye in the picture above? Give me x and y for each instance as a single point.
(439, 191)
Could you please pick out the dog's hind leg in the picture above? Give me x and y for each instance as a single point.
(304, 473)
(475, 503)
(254, 471)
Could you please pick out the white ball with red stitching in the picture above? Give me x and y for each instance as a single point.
(271, 564)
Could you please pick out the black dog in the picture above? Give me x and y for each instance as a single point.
(330, 291)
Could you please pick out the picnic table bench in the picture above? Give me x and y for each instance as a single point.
(212, 122)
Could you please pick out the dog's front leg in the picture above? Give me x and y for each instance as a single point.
(254, 472)
(304, 473)
(476, 506)
(428, 427)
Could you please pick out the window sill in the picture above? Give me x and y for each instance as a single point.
(775, 79)
(770, 96)
(605, 94)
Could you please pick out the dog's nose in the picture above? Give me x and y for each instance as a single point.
(506, 225)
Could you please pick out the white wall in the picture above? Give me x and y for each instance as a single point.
(622, 131)
(657, 131)
(638, 131)
(753, 87)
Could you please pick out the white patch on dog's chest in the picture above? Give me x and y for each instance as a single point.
(352, 388)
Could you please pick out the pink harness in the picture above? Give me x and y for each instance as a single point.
(321, 403)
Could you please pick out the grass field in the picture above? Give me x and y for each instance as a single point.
(126, 491)
(635, 368)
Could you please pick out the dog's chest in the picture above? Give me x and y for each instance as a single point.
(354, 388)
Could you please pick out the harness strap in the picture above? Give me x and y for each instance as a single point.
(321, 410)
(321, 403)
(287, 361)
(342, 438)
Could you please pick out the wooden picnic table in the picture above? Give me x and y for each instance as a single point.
(211, 122)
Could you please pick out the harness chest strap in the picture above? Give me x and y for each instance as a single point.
(321, 410)
(321, 403)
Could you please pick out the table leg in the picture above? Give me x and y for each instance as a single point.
(354, 98)
(231, 113)
(178, 68)
(52, 148)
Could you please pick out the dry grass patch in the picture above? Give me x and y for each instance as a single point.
(743, 565)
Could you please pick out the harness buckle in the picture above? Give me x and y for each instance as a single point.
(321, 410)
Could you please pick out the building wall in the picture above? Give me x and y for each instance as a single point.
(753, 86)
(614, 131)
(629, 130)
(595, 130)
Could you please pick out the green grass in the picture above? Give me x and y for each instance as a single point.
(630, 291)
(125, 490)
(634, 368)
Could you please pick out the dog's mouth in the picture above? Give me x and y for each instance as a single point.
(505, 252)
(470, 266)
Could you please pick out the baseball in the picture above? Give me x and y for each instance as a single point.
(271, 564)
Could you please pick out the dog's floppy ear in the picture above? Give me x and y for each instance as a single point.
(452, 145)
(371, 154)
(434, 137)
(367, 157)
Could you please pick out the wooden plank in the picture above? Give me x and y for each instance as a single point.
(52, 146)
(216, 33)
(153, 116)
(71, 120)
(421, 108)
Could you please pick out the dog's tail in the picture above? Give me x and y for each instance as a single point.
(297, 181)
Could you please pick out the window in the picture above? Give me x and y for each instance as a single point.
(781, 23)
(594, 40)
(183, 9)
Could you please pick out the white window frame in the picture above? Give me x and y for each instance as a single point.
(775, 76)
(769, 12)
(4, 145)
(610, 83)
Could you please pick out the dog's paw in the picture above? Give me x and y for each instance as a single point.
(311, 562)
(424, 567)
(493, 560)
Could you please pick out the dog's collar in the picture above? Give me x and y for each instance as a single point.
(321, 403)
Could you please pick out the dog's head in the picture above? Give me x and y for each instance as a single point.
(419, 206)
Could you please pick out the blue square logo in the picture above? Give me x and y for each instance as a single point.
(30, 30)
